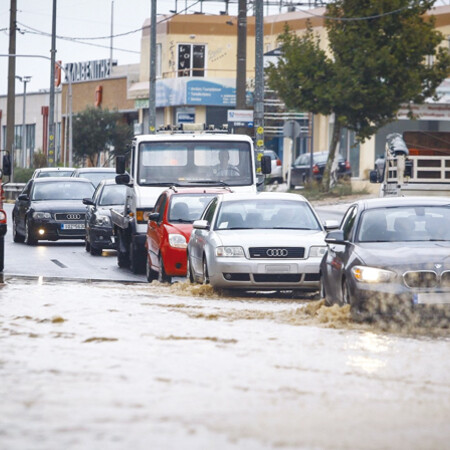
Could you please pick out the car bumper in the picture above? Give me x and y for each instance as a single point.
(53, 231)
(264, 274)
(102, 238)
(175, 261)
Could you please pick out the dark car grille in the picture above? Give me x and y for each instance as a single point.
(445, 279)
(69, 216)
(277, 252)
(421, 279)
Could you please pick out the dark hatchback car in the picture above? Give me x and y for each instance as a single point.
(301, 167)
(390, 251)
(99, 231)
(51, 209)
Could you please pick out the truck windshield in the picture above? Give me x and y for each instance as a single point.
(195, 162)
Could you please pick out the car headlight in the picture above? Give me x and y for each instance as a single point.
(102, 221)
(41, 215)
(229, 251)
(372, 274)
(317, 251)
(177, 241)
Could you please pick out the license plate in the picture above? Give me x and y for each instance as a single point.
(430, 298)
(72, 226)
(281, 268)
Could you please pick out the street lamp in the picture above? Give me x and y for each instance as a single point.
(24, 80)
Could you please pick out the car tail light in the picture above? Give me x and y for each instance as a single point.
(278, 162)
(316, 169)
(347, 165)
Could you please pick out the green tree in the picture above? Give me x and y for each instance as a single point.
(375, 63)
(96, 130)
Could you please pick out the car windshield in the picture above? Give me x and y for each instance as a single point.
(96, 177)
(187, 208)
(406, 223)
(185, 163)
(266, 214)
(61, 190)
(113, 194)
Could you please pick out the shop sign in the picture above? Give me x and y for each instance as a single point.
(88, 70)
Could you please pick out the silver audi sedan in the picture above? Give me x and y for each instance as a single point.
(263, 241)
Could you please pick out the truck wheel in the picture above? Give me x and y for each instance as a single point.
(137, 259)
(149, 272)
(123, 257)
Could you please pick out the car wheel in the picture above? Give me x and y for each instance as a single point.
(346, 297)
(205, 272)
(17, 237)
(162, 276)
(29, 239)
(189, 271)
(322, 292)
(149, 272)
(95, 251)
(87, 245)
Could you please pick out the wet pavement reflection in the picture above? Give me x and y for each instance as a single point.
(133, 365)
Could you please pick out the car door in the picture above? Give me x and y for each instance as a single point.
(198, 238)
(338, 254)
(300, 170)
(155, 230)
(92, 210)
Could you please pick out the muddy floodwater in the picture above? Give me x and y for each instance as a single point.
(139, 366)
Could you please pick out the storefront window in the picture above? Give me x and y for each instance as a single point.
(191, 60)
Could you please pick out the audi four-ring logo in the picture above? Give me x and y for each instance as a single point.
(276, 252)
(73, 216)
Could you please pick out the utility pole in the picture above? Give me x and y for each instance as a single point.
(111, 41)
(24, 80)
(11, 102)
(241, 76)
(152, 86)
(259, 81)
(51, 119)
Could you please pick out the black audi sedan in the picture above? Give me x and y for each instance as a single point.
(389, 251)
(99, 231)
(51, 209)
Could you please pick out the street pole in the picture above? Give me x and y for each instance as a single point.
(259, 82)
(241, 75)
(51, 130)
(152, 80)
(11, 102)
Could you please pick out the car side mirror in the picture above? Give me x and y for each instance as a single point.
(373, 176)
(120, 164)
(266, 165)
(88, 201)
(123, 178)
(331, 225)
(23, 197)
(335, 237)
(201, 225)
(154, 216)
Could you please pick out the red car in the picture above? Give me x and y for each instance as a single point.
(169, 229)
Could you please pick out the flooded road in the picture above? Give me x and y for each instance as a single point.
(107, 365)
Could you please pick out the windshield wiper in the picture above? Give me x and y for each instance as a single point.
(290, 228)
(219, 182)
(180, 221)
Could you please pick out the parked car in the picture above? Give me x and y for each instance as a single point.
(257, 241)
(99, 231)
(95, 174)
(51, 209)
(277, 169)
(169, 229)
(53, 172)
(391, 251)
(301, 167)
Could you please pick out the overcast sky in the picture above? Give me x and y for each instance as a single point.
(80, 19)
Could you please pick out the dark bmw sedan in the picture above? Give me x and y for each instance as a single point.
(389, 254)
(51, 209)
(99, 231)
